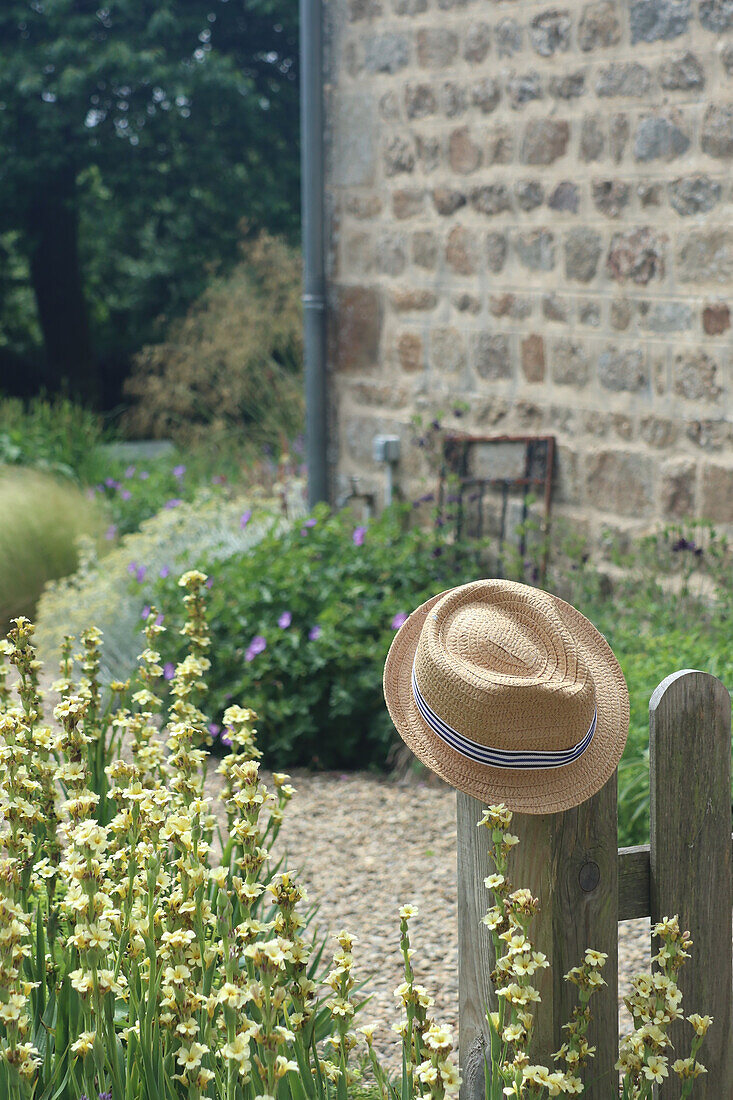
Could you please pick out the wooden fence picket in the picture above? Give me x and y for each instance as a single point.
(571, 862)
(690, 858)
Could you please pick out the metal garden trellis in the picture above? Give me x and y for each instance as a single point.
(586, 885)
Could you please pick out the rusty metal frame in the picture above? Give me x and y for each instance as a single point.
(455, 457)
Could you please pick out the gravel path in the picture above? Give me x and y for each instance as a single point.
(365, 845)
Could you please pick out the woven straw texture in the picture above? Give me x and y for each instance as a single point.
(510, 667)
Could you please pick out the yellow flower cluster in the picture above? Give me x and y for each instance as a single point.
(147, 940)
(511, 1026)
(654, 1002)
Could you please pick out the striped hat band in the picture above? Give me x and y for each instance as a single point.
(499, 758)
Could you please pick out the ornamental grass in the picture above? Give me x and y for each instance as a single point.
(146, 952)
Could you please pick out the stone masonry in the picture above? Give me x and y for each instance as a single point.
(529, 231)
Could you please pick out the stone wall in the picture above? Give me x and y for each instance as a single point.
(529, 231)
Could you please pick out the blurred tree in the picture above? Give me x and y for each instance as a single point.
(134, 136)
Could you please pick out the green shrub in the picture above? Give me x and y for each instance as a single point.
(112, 592)
(232, 367)
(669, 606)
(55, 435)
(134, 491)
(42, 519)
(302, 622)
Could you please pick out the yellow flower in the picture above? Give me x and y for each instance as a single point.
(11, 1011)
(84, 1043)
(700, 1023)
(283, 1065)
(238, 1049)
(656, 1068)
(493, 918)
(83, 983)
(688, 1067)
(176, 975)
(493, 882)
(439, 1037)
(190, 1057)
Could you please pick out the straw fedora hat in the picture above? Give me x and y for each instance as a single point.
(509, 694)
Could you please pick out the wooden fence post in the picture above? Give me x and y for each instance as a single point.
(570, 863)
(690, 858)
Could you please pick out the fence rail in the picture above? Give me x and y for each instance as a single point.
(586, 885)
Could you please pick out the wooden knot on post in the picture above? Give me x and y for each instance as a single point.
(589, 876)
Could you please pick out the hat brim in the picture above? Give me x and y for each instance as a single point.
(531, 790)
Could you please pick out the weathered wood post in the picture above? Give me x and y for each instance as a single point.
(690, 859)
(569, 861)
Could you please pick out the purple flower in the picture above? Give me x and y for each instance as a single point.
(179, 471)
(172, 503)
(245, 518)
(143, 475)
(257, 645)
(214, 729)
(169, 670)
(398, 620)
(225, 740)
(145, 612)
(130, 471)
(105, 1095)
(111, 483)
(209, 583)
(132, 567)
(111, 531)
(310, 522)
(285, 620)
(358, 536)
(126, 494)
(314, 633)
(164, 572)
(140, 574)
(159, 620)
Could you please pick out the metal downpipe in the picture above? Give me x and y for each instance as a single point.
(312, 220)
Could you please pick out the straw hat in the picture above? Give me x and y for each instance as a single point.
(509, 694)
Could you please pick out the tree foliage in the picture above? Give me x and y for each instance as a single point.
(134, 135)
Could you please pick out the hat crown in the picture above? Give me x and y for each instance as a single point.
(497, 662)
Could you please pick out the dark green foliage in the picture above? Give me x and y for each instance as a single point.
(54, 435)
(669, 608)
(320, 699)
(133, 139)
